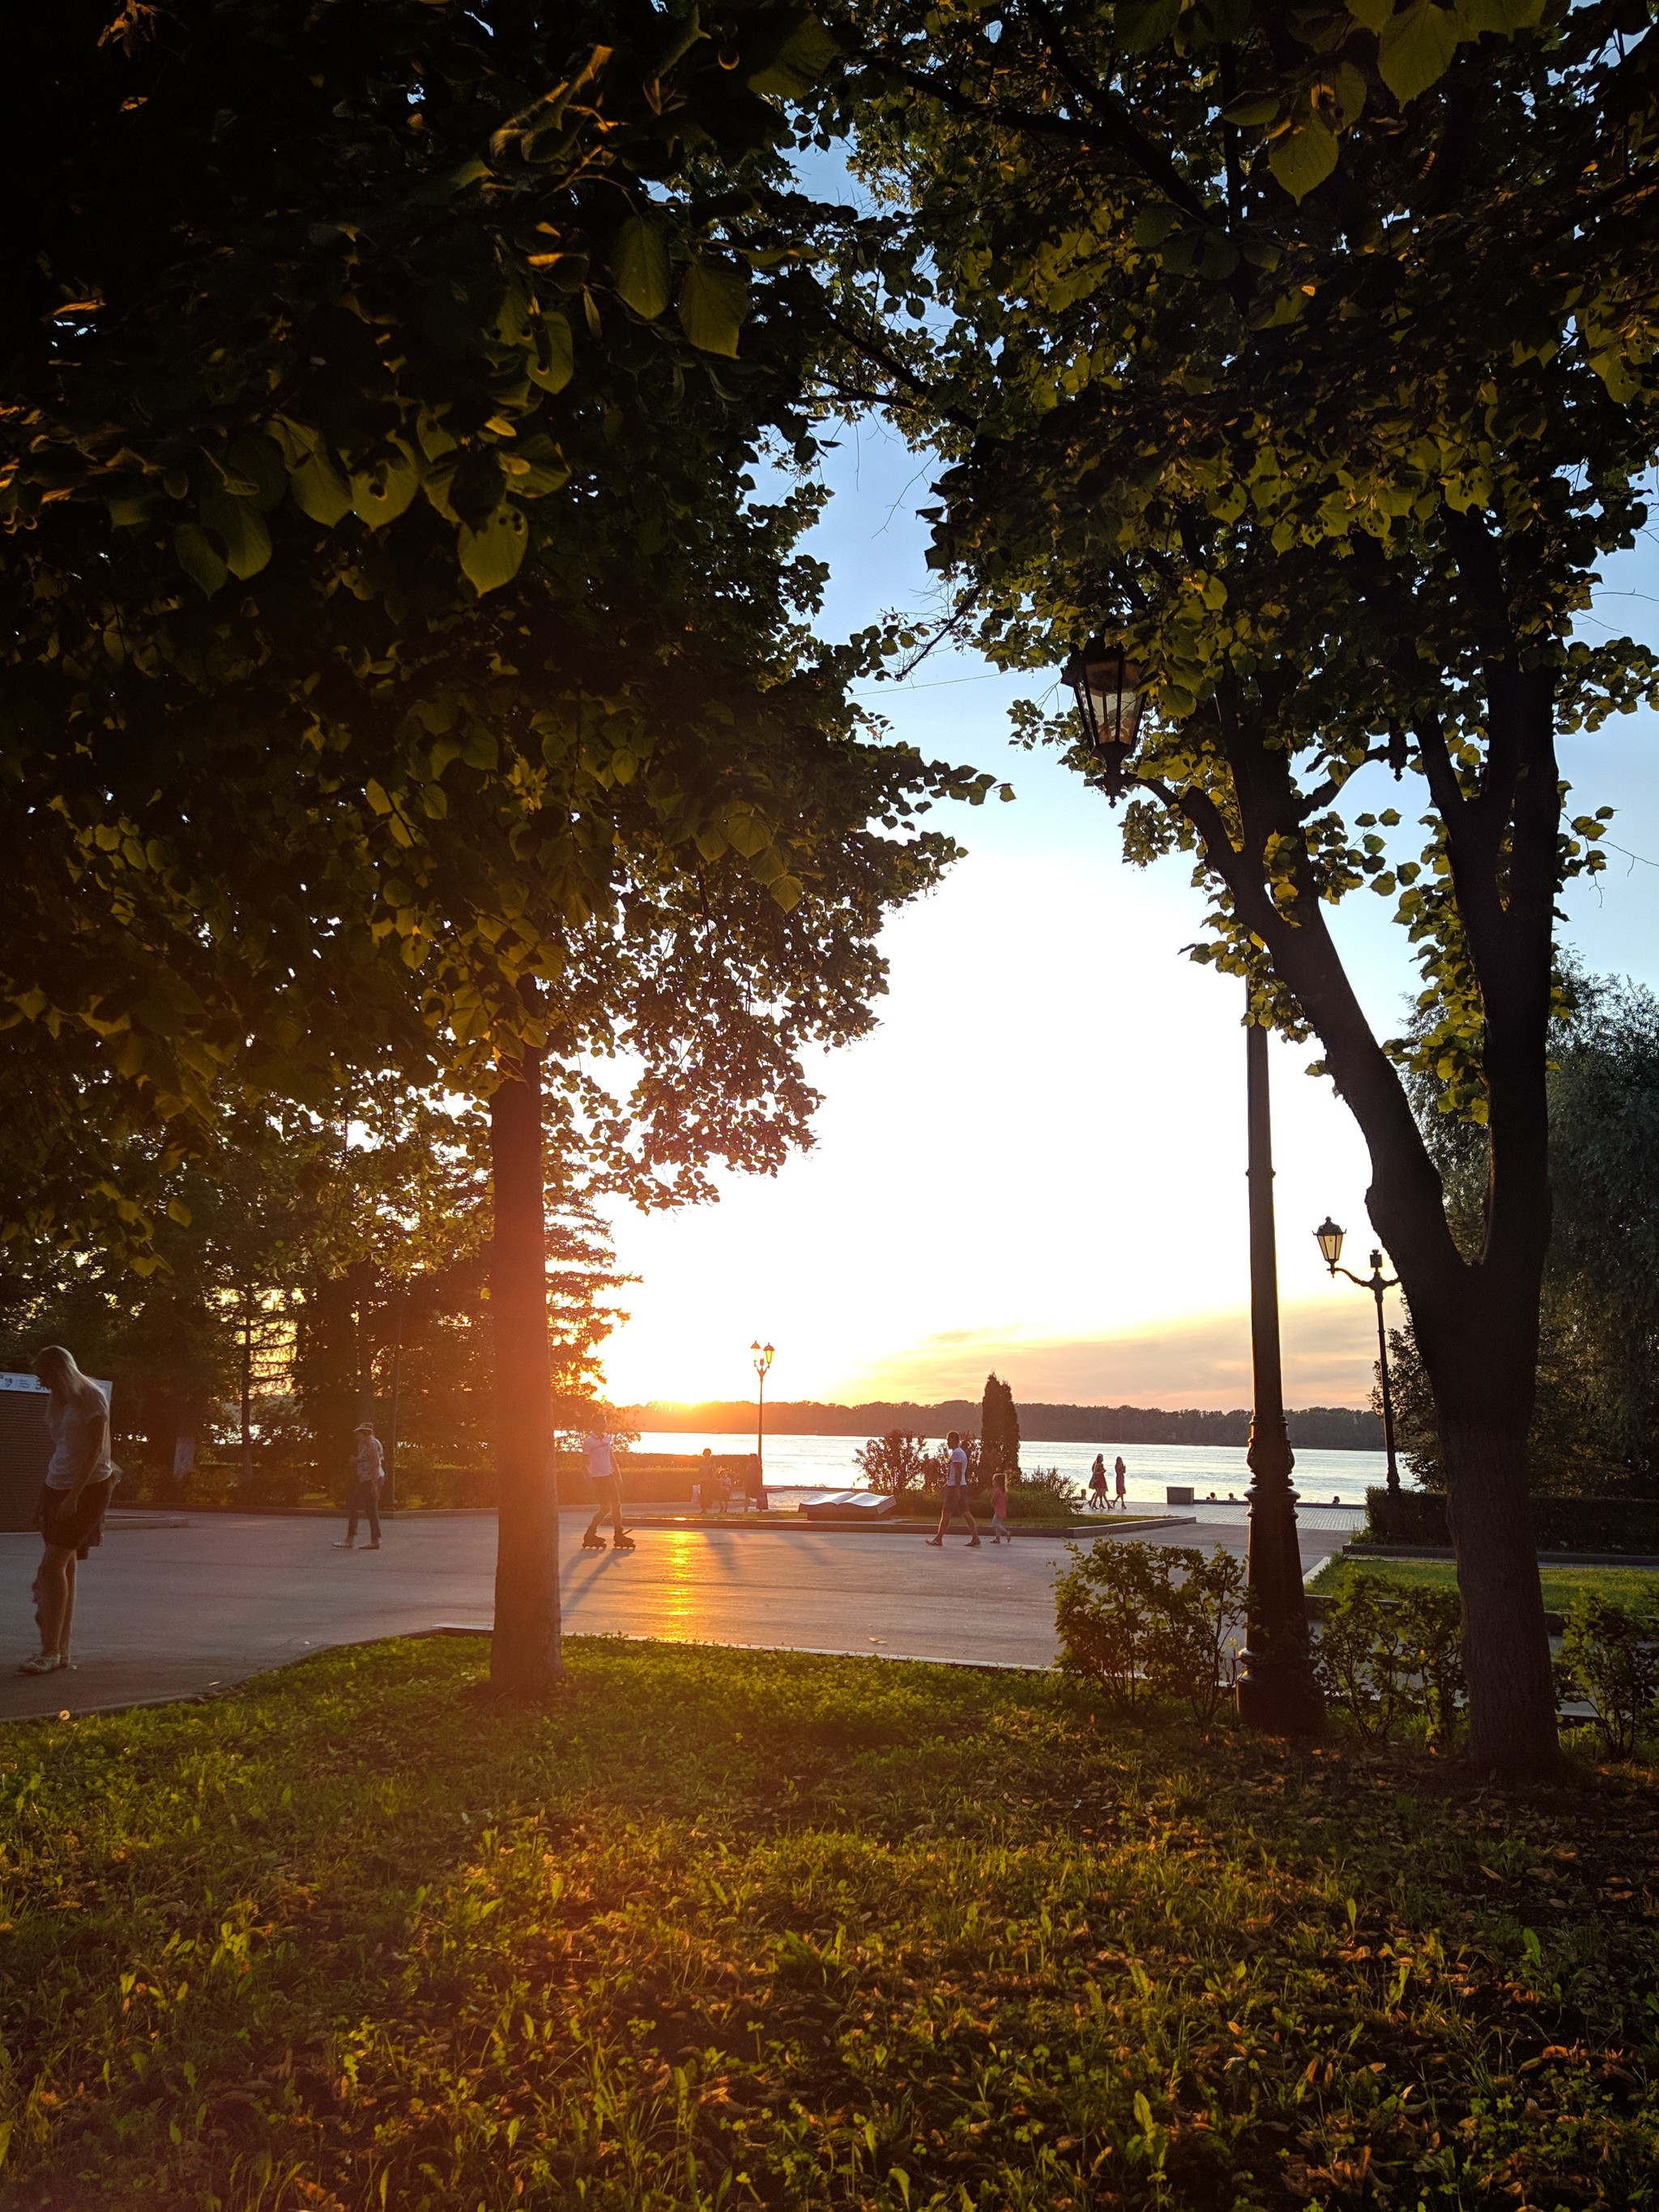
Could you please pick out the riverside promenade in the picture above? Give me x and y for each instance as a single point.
(179, 1605)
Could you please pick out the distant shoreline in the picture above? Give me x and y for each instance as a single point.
(1312, 1428)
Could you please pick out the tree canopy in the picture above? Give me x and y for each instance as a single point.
(1308, 358)
(401, 655)
(1596, 1426)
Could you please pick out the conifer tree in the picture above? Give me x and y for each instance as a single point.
(999, 1430)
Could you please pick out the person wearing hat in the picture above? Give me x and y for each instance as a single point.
(368, 1475)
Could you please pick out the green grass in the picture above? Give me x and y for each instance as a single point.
(729, 1929)
(1561, 1584)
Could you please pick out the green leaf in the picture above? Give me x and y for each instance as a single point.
(1143, 24)
(1303, 156)
(318, 488)
(380, 493)
(199, 557)
(491, 556)
(437, 190)
(258, 459)
(553, 363)
(542, 467)
(1251, 108)
(713, 300)
(1500, 15)
(242, 526)
(804, 60)
(639, 266)
(787, 890)
(1373, 14)
(1415, 49)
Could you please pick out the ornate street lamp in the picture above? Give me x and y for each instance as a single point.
(761, 1355)
(1330, 1245)
(1277, 1689)
(1106, 684)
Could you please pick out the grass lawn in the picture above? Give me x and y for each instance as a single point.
(729, 1929)
(1561, 1584)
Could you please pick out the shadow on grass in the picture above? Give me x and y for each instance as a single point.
(736, 1928)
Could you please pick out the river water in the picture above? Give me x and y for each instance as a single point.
(1327, 1482)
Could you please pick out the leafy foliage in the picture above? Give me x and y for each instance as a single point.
(999, 1431)
(1152, 1620)
(894, 1463)
(1596, 1422)
(1384, 1655)
(1610, 1655)
(399, 660)
(1311, 359)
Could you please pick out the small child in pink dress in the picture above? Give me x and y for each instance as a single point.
(999, 1510)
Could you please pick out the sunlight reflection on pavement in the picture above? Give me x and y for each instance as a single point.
(172, 1608)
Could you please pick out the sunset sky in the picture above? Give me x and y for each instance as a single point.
(1036, 1162)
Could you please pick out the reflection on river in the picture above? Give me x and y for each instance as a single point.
(799, 1465)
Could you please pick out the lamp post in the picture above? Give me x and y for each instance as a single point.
(399, 1300)
(1329, 1238)
(1277, 1691)
(761, 1355)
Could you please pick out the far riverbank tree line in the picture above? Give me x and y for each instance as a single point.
(408, 422)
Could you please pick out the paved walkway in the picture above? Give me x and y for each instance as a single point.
(170, 1607)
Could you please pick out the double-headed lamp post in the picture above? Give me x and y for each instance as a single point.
(762, 1356)
(1330, 1245)
(1277, 1690)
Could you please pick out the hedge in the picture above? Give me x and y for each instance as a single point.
(1562, 1524)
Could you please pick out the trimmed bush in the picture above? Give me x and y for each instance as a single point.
(1610, 1656)
(1562, 1524)
(1384, 1655)
(1152, 1620)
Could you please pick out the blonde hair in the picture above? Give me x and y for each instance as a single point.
(57, 1369)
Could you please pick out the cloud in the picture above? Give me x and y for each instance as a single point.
(1203, 1359)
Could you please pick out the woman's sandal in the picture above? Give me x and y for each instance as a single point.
(44, 1663)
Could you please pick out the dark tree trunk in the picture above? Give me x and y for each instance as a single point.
(1506, 1643)
(1476, 1320)
(524, 1656)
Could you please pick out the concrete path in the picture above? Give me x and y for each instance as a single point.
(172, 1606)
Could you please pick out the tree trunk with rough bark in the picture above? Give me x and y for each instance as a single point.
(1475, 1317)
(524, 1659)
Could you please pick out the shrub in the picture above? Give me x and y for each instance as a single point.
(895, 1463)
(1046, 1482)
(1610, 1655)
(1560, 1524)
(1152, 1620)
(1384, 1655)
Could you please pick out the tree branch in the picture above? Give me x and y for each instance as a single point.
(1114, 133)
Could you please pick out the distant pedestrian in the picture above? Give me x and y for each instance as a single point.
(754, 1484)
(1097, 1483)
(368, 1474)
(955, 1500)
(999, 1508)
(1120, 1476)
(80, 1478)
(607, 1494)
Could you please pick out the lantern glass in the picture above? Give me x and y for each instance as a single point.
(1330, 1241)
(1106, 684)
